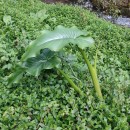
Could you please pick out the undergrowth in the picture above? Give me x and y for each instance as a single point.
(47, 102)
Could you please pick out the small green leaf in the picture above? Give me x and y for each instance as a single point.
(42, 14)
(7, 19)
(16, 76)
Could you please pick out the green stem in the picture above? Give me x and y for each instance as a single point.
(95, 62)
(73, 85)
(93, 73)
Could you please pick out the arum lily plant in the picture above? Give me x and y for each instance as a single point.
(41, 54)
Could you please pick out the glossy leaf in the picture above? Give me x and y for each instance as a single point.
(57, 39)
(46, 60)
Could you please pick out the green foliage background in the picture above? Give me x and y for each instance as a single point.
(47, 102)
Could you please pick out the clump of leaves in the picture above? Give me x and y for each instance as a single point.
(33, 61)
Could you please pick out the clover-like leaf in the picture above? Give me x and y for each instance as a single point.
(7, 19)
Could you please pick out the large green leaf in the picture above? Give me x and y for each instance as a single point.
(46, 60)
(57, 39)
(50, 41)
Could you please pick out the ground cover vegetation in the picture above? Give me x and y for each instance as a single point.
(41, 54)
(47, 101)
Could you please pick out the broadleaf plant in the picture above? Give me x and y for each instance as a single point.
(33, 61)
(45, 60)
(57, 39)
